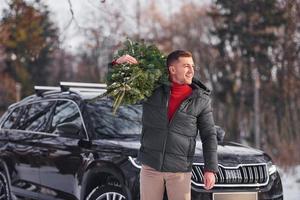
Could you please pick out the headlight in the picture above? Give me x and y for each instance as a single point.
(135, 162)
(271, 168)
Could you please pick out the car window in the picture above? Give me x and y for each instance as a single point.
(36, 116)
(11, 121)
(66, 111)
(126, 123)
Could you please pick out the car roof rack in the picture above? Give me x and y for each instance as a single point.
(66, 85)
(76, 87)
(39, 90)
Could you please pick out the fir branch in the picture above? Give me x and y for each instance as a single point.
(129, 84)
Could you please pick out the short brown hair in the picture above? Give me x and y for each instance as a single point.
(172, 57)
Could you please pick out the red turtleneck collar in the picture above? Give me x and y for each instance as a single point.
(179, 92)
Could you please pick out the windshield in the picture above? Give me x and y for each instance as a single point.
(127, 122)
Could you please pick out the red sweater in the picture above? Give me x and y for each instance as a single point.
(179, 92)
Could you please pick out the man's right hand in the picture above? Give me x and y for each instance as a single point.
(126, 59)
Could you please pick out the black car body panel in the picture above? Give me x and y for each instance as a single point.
(43, 160)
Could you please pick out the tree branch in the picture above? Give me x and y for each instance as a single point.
(72, 16)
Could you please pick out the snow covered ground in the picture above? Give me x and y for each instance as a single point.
(291, 183)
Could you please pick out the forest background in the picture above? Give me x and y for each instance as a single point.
(247, 52)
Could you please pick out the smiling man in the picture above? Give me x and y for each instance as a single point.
(172, 118)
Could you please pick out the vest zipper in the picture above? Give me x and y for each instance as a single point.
(168, 126)
(166, 137)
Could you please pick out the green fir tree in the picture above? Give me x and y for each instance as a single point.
(131, 83)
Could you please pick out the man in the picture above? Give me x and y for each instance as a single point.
(172, 116)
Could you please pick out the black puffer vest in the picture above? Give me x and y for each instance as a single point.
(170, 146)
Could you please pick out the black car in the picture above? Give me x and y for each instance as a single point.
(60, 143)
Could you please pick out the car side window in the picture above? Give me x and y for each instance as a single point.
(66, 112)
(11, 120)
(36, 116)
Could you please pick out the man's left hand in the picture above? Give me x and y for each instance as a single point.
(209, 180)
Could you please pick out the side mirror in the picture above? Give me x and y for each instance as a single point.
(220, 133)
(69, 129)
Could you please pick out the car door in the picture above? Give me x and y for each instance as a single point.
(61, 156)
(23, 129)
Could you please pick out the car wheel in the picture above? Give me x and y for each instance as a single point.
(106, 193)
(4, 187)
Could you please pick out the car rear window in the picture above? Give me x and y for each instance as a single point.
(11, 120)
(65, 112)
(33, 117)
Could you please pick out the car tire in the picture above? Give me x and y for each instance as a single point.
(4, 187)
(106, 193)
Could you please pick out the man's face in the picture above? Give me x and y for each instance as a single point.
(182, 70)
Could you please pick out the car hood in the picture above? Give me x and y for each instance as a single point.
(229, 153)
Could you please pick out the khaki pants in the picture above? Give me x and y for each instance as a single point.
(153, 183)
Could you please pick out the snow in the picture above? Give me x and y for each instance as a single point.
(290, 182)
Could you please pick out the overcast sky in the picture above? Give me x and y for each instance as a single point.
(83, 9)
